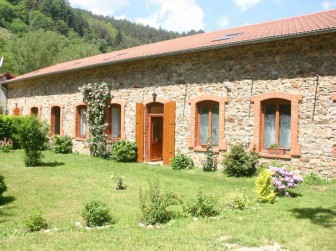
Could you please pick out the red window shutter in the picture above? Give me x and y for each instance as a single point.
(139, 131)
(78, 121)
(169, 132)
(53, 120)
(17, 111)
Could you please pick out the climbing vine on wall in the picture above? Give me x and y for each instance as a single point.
(96, 96)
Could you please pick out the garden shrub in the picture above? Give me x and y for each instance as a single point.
(265, 187)
(315, 180)
(3, 187)
(62, 144)
(120, 184)
(6, 145)
(96, 213)
(202, 206)
(238, 201)
(9, 128)
(124, 151)
(238, 162)
(209, 164)
(181, 161)
(284, 180)
(35, 222)
(154, 204)
(33, 135)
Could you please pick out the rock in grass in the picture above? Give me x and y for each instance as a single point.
(150, 227)
(141, 225)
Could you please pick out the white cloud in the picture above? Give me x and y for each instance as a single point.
(223, 22)
(122, 17)
(177, 15)
(100, 7)
(246, 4)
(327, 4)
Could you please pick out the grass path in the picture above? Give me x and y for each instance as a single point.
(65, 182)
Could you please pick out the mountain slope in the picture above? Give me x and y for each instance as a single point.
(39, 33)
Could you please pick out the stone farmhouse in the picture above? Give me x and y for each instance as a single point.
(268, 84)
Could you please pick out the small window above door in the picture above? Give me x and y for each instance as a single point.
(155, 108)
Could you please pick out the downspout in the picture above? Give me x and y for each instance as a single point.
(251, 91)
(316, 89)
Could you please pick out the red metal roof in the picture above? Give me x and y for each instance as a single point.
(290, 27)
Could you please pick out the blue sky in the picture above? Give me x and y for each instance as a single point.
(208, 15)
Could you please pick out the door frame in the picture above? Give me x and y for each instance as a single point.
(150, 116)
(148, 128)
(142, 129)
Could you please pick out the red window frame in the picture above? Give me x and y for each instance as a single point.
(108, 119)
(211, 105)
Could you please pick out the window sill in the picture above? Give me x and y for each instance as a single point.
(80, 139)
(203, 149)
(275, 156)
(113, 140)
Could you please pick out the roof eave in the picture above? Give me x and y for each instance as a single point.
(247, 42)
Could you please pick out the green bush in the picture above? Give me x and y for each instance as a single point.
(203, 206)
(35, 222)
(315, 180)
(239, 162)
(3, 187)
(265, 187)
(181, 161)
(124, 151)
(154, 204)
(238, 201)
(96, 213)
(9, 128)
(33, 135)
(120, 184)
(62, 144)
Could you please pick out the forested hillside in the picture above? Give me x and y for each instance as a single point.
(39, 33)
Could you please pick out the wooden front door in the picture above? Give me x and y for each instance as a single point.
(156, 137)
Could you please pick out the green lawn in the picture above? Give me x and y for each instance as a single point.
(65, 182)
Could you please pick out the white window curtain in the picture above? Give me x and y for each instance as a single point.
(215, 125)
(115, 122)
(83, 122)
(269, 126)
(285, 129)
(204, 127)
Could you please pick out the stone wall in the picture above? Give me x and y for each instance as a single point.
(282, 66)
(2, 99)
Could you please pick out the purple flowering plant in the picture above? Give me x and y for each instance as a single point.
(284, 180)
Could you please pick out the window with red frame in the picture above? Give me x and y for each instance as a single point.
(276, 123)
(208, 123)
(81, 122)
(113, 119)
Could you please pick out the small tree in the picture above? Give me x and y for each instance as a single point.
(33, 135)
(209, 164)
